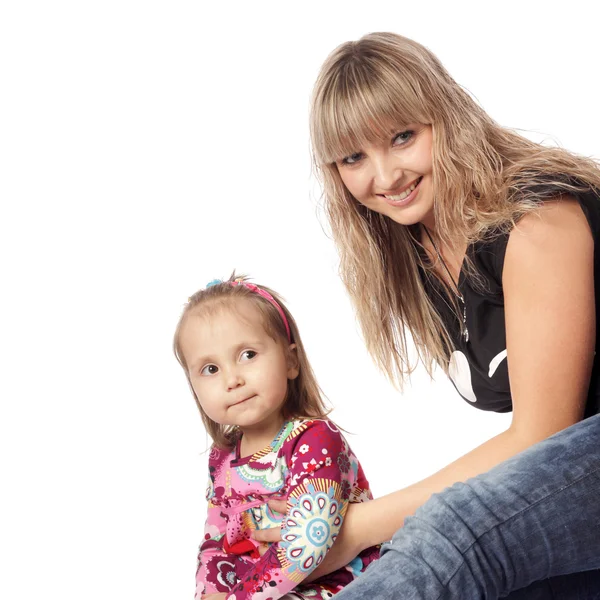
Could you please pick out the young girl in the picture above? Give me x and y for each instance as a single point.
(483, 246)
(259, 400)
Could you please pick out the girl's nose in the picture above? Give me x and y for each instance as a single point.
(234, 380)
(387, 172)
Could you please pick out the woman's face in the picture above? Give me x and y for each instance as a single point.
(393, 177)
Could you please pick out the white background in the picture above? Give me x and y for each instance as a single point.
(148, 147)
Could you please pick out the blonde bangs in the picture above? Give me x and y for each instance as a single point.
(356, 106)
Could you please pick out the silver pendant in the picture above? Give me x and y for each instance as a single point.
(465, 331)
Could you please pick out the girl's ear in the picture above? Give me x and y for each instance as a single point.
(292, 362)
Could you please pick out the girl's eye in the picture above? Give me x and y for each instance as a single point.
(248, 355)
(352, 159)
(209, 370)
(403, 137)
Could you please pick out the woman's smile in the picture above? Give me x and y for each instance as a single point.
(405, 196)
(392, 174)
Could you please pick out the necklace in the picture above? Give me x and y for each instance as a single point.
(456, 291)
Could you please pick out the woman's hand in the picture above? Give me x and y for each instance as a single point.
(347, 545)
(214, 597)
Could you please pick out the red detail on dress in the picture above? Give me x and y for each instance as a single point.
(241, 547)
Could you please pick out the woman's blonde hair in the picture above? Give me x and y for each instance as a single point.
(304, 397)
(485, 177)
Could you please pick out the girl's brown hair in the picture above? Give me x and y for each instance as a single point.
(304, 396)
(485, 177)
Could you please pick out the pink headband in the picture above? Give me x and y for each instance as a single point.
(267, 296)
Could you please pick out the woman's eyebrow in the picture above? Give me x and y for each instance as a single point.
(400, 128)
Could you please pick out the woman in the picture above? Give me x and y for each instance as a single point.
(483, 245)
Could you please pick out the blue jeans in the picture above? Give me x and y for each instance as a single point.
(525, 530)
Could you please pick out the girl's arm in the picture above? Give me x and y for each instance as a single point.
(212, 545)
(322, 473)
(548, 286)
(214, 530)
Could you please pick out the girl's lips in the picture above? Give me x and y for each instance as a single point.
(244, 400)
(404, 201)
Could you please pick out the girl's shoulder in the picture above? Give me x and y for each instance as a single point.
(218, 455)
(299, 426)
(308, 434)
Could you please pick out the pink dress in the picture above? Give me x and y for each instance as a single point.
(310, 464)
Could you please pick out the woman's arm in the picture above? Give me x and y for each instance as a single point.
(548, 284)
(550, 330)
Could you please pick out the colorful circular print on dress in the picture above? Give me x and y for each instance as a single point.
(311, 527)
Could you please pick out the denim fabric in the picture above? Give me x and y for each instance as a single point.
(577, 586)
(534, 517)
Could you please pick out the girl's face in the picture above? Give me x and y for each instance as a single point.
(394, 177)
(239, 373)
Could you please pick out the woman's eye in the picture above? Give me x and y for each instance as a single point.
(248, 354)
(403, 137)
(352, 158)
(209, 370)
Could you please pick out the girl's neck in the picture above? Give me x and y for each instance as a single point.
(260, 436)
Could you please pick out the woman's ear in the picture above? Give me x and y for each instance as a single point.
(292, 362)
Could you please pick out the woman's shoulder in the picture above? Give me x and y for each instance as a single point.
(559, 232)
(558, 224)
(555, 196)
(560, 220)
(566, 213)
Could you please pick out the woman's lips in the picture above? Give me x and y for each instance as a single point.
(406, 196)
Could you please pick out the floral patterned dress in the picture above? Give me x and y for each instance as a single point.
(310, 464)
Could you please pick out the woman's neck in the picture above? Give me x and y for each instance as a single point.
(447, 260)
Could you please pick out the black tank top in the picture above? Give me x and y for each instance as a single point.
(478, 367)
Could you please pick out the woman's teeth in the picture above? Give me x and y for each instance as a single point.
(405, 193)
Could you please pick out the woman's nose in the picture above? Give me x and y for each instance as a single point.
(388, 172)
